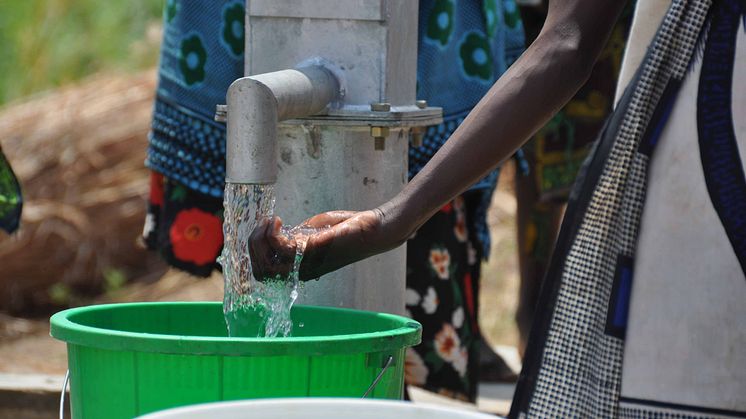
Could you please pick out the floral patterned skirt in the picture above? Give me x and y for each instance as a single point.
(184, 226)
(443, 268)
(443, 265)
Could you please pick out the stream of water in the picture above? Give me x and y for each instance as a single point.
(247, 297)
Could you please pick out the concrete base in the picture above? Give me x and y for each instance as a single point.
(30, 396)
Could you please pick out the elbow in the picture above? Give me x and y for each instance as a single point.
(579, 58)
(574, 52)
(580, 30)
(584, 62)
(586, 57)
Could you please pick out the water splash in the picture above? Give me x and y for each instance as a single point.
(244, 206)
(277, 295)
(246, 298)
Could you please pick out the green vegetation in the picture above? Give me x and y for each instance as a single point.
(47, 43)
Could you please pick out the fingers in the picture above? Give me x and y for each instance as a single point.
(274, 234)
(283, 247)
(271, 252)
(259, 248)
(327, 219)
(341, 238)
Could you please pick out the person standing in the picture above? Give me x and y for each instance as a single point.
(641, 313)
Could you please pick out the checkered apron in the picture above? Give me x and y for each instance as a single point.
(573, 363)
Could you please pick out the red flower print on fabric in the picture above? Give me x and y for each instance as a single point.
(156, 189)
(469, 295)
(440, 262)
(447, 343)
(448, 347)
(196, 236)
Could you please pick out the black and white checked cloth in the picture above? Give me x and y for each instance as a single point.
(573, 365)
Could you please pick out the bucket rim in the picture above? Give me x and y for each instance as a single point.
(211, 409)
(408, 334)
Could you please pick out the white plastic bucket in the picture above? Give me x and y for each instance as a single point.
(315, 408)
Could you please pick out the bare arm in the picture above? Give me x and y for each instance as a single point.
(543, 79)
(538, 84)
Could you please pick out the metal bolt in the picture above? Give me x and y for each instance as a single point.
(422, 104)
(380, 107)
(379, 135)
(379, 132)
(221, 113)
(418, 133)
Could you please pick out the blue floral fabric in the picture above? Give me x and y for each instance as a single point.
(464, 47)
(201, 55)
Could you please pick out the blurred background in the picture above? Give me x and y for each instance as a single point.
(77, 79)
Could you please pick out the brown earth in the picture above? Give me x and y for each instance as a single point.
(78, 153)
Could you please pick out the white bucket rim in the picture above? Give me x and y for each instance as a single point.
(216, 408)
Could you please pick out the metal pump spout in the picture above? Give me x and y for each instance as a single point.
(351, 155)
(256, 104)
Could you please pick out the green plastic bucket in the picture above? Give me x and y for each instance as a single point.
(126, 360)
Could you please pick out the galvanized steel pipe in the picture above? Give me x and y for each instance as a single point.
(256, 104)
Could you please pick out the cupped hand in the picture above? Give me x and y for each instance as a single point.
(340, 238)
(272, 252)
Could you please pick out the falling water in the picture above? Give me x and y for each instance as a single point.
(279, 293)
(245, 297)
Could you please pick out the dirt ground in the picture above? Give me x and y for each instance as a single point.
(500, 277)
(25, 345)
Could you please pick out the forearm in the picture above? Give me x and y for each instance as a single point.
(545, 77)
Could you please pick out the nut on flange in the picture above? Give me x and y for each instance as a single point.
(221, 113)
(380, 107)
(379, 135)
(417, 133)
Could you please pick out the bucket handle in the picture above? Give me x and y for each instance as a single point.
(62, 396)
(386, 365)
